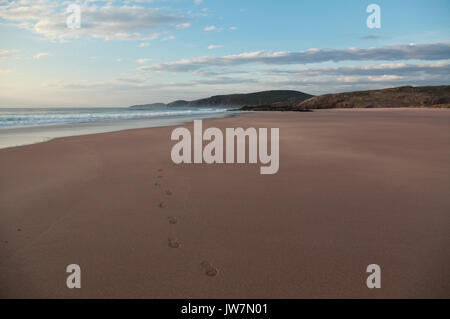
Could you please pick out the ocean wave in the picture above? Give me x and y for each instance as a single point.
(32, 117)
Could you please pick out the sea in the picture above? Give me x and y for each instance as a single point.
(23, 126)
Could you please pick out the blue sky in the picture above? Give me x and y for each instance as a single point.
(134, 52)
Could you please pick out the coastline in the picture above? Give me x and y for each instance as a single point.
(28, 135)
(355, 187)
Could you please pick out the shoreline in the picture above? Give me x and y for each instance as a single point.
(108, 126)
(354, 188)
(26, 135)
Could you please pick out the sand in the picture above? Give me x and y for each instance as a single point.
(355, 187)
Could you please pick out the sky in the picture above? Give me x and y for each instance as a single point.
(145, 51)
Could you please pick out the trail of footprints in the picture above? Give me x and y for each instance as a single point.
(173, 242)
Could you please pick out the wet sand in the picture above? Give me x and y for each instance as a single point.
(355, 187)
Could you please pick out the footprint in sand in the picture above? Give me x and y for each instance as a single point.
(172, 220)
(157, 184)
(168, 193)
(160, 170)
(161, 205)
(18, 229)
(209, 269)
(159, 176)
(173, 242)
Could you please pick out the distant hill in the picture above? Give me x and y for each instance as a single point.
(178, 103)
(285, 97)
(404, 96)
(252, 99)
(286, 100)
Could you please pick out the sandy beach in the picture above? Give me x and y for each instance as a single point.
(355, 187)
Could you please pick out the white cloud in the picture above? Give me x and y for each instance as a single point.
(430, 52)
(183, 25)
(313, 80)
(396, 69)
(142, 61)
(26, 11)
(107, 21)
(198, 1)
(214, 46)
(144, 44)
(212, 28)
(40, 55)
(232, 28)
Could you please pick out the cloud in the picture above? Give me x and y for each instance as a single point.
(329, 85)
(40, 55)
(183, 25)
(397, 69)
(223, 81)
(311, 80)
(168, 38)
(212, 28)
(232, 28)
(197, 2)
(107, 21)
(25, 10)
(220, 72)
(142, 61)
(433, 51)
(317, 80)
(144, 44)
(214, 46)
(126, 84)
(351, 78)
(385, 74)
